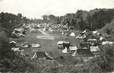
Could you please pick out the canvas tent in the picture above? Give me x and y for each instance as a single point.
(72, 34)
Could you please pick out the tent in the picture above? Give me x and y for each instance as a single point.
(72, 34)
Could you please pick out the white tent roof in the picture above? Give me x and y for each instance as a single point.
(72, 34)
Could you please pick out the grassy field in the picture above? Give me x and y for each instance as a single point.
(68, 63)
(49, 45)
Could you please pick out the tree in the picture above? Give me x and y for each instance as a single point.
(10, 21)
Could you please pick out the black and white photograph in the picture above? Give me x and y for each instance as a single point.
(56, 36)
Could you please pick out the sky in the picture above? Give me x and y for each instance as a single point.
(37, 8)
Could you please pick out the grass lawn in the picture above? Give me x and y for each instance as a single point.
(49, 45)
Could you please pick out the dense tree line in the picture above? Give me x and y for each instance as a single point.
(9, 21)
(51, 19)
(93, 19)
(9, 61)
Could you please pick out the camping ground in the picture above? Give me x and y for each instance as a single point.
(48, 42)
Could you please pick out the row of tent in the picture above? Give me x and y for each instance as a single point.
(20, 50)
(90, 42)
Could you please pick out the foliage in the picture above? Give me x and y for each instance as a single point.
(9, 61)
(10, 21)
(92, 20)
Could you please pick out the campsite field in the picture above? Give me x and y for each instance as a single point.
(48, 42)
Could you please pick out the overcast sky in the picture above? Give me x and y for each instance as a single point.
(37, 8)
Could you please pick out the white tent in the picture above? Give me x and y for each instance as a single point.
(36, 45)
(72, 34)
(65, 50)
(60, 42)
